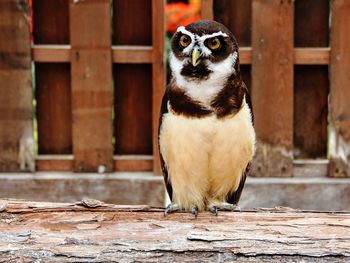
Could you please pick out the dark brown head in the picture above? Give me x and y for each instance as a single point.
(203, 48)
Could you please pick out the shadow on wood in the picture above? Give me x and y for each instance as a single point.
(93, 231)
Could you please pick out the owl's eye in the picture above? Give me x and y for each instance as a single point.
(185, 40)
(214, 43)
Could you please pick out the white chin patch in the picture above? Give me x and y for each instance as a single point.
(204, 90)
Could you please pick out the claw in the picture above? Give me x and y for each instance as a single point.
(194, 211)
(171, 208)
(214, 209)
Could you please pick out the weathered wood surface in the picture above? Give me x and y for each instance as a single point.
(340, 92)
(272, 86)
(92, 86)
(16, 118)
(92, 231)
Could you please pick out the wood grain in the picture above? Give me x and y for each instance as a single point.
(52, 80)
(272, 86)
(207, 9)
(92, 96)
(340, 92)
(158, 74)
(93, 231)
(132, 83)
(311, 82)
(132, 107)
(16, 113)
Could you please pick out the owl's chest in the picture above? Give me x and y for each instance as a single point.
(178, 132)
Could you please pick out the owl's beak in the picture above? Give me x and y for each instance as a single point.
(195, 57)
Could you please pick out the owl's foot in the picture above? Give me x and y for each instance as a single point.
(171, 208)
(214, 208)
(194, 211)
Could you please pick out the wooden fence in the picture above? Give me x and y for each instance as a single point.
(100, 74)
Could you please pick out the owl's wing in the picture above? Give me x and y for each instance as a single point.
(163, 110)
(248, 101)
(234, 197)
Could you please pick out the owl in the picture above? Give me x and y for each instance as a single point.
(206, 132)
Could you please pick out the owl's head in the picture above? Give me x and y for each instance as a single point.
(202, 51)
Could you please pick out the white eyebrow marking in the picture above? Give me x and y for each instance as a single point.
(220, 33)
(205, 51)
(188, 49)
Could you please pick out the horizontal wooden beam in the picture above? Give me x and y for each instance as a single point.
(54, 163)
(51, 53)
(132, 54)
(245, 55)
(312, 56)
(143, 54)
(122, 163)
(144, 163)
(310, 168)
(120, 54)
(131, 163)
(91, 231)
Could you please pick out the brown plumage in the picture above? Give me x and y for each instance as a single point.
(206, 133)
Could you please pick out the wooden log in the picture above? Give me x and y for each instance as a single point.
(93, 231)
(340, 92)
(92, 94)
(272, 86)
(16, 117)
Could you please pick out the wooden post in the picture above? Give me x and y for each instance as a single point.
(272, 86)
(158, 73)
(340, 90)
(16, 117)
(91, 70)
(207, 9)
(93, 231)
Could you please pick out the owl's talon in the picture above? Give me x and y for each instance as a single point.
(194, 211)
(214, 209)
(171, 208)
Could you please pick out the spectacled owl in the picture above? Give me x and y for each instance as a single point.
(206, 133)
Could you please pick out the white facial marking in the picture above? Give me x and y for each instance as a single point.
(199, 40)
(188, 49)
(204, 90)
(206, 51)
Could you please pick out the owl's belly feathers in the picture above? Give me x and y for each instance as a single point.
(206, 156)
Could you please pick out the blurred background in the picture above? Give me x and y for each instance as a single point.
(81, 83)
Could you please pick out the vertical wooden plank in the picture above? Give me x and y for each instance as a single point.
(52, 81)
(340, 91)
(158, 73)
(237, 16)
(132, 109)
(207, 9)
(132, 25)
(53, 108)
(16, 118)
(91, 68)
(311, 82)
(310, 111)
(272, 90)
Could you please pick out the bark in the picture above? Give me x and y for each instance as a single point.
(92, 231)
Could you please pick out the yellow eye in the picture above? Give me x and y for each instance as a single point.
(185, 40)
(214, 43)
